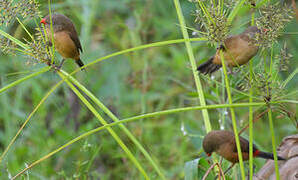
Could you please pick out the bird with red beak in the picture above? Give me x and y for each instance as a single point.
(65, 37)
(223, 143)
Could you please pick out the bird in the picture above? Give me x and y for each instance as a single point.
(223, 143)
(237, 50)
(65, 37)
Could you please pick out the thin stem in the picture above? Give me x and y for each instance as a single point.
(273, 143)
(193, 65)
(290, 77)
(57, 150)
(26, 30)
(205, 11)
(156, 44)
(29, 117)
(15, 40)
(114, 118)
(233, 116)
(102, 121)
(129, 120)
(43, 70)
(233, 90)
(235, 11)
(251, 112)
(271, 61)
(250, 123)
(52, 31)
(44, 37)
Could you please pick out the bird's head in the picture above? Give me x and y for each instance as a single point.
(59, 21)
(209, 147)
(211, 142)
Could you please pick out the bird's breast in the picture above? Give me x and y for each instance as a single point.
(65, 45)
(237, 52)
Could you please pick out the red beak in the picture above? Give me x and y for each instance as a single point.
(43, 21)
(208, 154)
(265, 30)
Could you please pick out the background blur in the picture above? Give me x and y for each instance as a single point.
(144, 81)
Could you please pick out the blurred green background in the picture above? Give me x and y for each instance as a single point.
(144, 81)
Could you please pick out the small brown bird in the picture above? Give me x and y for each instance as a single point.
(65, 37)
(223, 143)
(237, 50)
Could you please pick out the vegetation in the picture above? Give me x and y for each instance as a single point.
(140, 110)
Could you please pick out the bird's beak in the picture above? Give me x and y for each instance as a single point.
(208, 154)
(43, 21)
(265, 30)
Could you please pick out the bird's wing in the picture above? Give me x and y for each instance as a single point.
(74, 36)
(243, 143)
(232, 42)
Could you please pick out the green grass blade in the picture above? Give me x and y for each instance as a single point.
(191, 170)
(290, 77)
(235, 11)
(233, 116)
(104, 127)
(13, 39)
(251, 113)
(25, 29)
(145, 46)
(58, 150)
(15, 83)
(273, 144)
(250, 123)
(193, 65)
(29, 117)
(102, 121)
(114, 118)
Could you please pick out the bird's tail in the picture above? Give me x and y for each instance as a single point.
(266, 155)
(80, 63)
(208, 67)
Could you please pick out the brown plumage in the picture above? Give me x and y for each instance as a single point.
(237, 50)
(65, 37)
(223, 143)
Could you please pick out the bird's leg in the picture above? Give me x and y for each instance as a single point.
(49, 44)
(229, 168)
(230, 71)
(60, 65)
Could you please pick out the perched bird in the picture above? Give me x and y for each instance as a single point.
(65, 37)
(237, 50)
(223, 143)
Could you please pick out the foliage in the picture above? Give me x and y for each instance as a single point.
(127, 75)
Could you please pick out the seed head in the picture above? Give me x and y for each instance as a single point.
(272, 21)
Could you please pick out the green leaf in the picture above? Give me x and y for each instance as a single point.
(191, 169)
(202, 169)
(196, 169)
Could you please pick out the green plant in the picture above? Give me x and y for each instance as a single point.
(154, 96)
